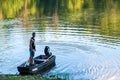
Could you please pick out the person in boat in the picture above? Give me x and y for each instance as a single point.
(47, 51)
(32, 48)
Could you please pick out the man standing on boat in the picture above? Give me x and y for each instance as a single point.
(32, 48)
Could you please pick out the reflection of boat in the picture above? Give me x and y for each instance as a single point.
(41, 65)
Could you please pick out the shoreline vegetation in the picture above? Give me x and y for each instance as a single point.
(26, 77)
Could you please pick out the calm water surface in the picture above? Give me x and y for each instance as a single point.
(84, 36)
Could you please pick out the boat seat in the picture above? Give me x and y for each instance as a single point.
(41, 58)
(38, 61)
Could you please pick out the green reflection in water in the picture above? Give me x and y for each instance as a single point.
(99, 16)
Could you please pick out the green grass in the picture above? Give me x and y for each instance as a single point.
(17, 77)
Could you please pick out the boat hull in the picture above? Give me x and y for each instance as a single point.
(39, 67)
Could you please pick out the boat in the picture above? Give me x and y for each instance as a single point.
(42, 63)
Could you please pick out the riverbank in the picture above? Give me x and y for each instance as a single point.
(28, 77)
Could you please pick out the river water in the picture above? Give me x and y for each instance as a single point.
(85, 37)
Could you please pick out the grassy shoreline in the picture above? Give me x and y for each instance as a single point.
(26, 77)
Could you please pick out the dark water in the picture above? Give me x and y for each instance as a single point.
(83, 34)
